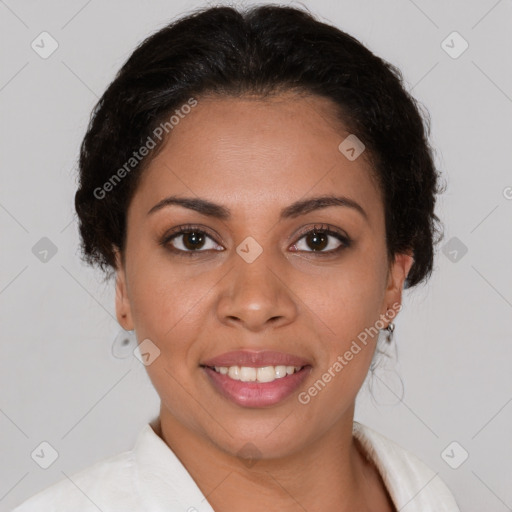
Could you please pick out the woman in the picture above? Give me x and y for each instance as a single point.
(263, 188)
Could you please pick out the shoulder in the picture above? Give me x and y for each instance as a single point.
(408, 479)
(147, 477)
(97, 487)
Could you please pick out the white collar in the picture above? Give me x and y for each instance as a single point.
(165, 484)
(409, 481)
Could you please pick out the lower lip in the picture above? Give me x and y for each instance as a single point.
(257, 394)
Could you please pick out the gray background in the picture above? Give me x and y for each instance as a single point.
(60, 381)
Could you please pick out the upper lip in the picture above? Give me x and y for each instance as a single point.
(256, 359)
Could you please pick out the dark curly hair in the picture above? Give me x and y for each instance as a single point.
(263, 50)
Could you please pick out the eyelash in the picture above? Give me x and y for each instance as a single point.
(187, 229)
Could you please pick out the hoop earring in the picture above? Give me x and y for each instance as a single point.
(124, 343)
(390, 329)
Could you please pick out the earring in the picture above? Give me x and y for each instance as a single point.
(389, 335)
(124, 343)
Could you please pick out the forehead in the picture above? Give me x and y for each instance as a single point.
(251, 153)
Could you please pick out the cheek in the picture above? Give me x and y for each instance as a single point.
(351, 299)
(161, 292)
(164, 308)
(167, 310)
(348, 306)
(346, 346)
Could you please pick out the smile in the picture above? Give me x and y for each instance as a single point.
(250, 378)
(252, 374)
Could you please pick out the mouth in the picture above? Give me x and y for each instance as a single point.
(256, 379)
(256, 374)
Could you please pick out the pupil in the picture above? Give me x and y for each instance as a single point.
(196, 240)
(317, 238)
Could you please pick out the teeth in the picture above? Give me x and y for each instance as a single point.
(234, 372)
(248, 374)
(251, 374)
(266, 374)
(281, 371)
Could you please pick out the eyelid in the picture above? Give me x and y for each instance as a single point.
(339, 234)
(168, 236)
(322, 228)
(178, 230)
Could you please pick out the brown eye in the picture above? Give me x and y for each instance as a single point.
(193, 240)
(317, 241)
(322, 240)
(189, 241)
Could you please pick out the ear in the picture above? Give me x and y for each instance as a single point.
(398, 271)
(123, 309)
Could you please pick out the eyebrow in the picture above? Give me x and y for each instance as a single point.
(294, 210)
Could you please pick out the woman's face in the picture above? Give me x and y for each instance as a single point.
(247, 277)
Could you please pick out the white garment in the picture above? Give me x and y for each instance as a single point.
(151, 478)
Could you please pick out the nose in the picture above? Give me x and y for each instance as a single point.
(256, 296)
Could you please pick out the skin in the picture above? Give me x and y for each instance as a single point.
(256, 157)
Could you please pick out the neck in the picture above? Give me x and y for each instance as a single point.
(330, 473)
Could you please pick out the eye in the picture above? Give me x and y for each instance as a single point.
(318, 239)
(190, 240)
(187, 240)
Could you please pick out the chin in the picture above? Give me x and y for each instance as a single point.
(269, 439)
